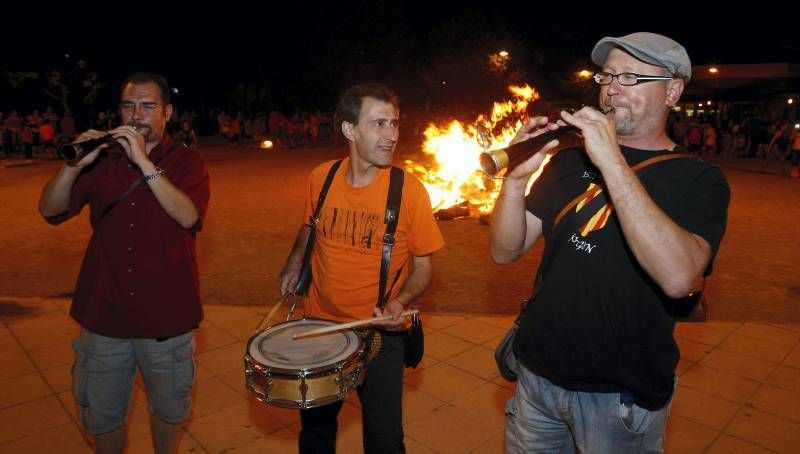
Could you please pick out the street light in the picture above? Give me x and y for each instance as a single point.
(715, 77)
(498, 62)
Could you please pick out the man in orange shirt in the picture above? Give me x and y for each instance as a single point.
(347, 256)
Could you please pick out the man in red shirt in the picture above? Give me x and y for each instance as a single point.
(137, 298)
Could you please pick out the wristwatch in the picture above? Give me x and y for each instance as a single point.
(159, 171)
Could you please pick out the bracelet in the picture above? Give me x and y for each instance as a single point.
(153, 176)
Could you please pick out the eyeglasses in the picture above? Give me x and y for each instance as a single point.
(626, 79)
(149, 107)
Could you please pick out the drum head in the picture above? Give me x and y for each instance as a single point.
(274, 347)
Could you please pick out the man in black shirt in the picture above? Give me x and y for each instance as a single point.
(596, 341)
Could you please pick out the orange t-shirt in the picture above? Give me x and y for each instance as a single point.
(347, 255)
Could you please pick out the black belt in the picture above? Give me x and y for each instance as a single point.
(162, 339)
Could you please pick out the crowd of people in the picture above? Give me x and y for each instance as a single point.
(42, 132)
(302, 129)
(706, 136)
(21, 135)
(749, 137)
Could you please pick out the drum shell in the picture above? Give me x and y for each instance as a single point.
(303, 387)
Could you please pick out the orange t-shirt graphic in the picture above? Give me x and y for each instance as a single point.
(599, 219)
(347, 255)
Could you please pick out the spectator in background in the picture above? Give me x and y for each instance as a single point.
(235, 132)
(778, 148)
(709, 142)
(68, 130)
(13, 128)
(27, 141)
(679, 130)
(695, 138)
(47, 134)
(249, 134)
(51, 116)
(313, 124)
(794, 138)
(3, 139)
(187, 135)
(274, 127)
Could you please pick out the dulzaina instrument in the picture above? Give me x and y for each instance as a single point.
(493, 161)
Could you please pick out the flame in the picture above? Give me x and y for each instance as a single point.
(266, 144)
(454, 174)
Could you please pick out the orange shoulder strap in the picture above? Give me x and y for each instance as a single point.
(593, 191)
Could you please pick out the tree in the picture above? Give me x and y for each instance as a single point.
(473, 59)
(76, 87)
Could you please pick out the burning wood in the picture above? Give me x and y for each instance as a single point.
(460, 210)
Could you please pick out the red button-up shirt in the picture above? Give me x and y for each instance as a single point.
(139, 276)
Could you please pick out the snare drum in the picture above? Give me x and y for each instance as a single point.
(303, 373)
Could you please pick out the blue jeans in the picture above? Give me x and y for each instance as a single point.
(104, 369)
(545, 418)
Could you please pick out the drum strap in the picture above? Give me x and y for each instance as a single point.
(391, 218)
(305, 269)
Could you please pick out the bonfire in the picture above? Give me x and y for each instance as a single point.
(452, 174)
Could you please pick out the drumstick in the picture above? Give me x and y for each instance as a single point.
(341, 326)
(272, 311)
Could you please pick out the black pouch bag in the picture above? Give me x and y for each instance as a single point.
(414, 343)
(504, 356)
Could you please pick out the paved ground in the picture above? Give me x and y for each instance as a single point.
(738, 390)
(739, 376)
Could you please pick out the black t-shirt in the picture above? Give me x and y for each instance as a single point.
(599, 323)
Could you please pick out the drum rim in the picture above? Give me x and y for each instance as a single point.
(258, 333)
(356, 355)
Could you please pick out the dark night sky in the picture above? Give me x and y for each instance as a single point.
(214, 49)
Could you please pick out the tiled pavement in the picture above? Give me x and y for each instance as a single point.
(738, 391)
